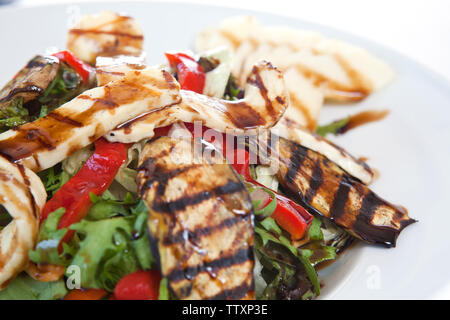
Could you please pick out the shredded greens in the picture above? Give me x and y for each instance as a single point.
(13, 114)
(53, 179)
(64, 87)
(286, 269)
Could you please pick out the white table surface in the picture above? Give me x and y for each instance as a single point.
(419, 29)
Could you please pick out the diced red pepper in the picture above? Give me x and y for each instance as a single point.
(139, 285)
(191, 75)
(292, 217)
(86, 294)
(83, 69)
(95, 176)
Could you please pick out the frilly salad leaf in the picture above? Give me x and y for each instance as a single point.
(46, 250)
(109, 243)
(296, 256)
(102, 245)
(24, 287)
(113, 247)
(53, 179)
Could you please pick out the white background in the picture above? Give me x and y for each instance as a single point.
(419, 29)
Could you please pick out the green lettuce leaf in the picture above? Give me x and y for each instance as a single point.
(50, 236)
(113, 247)
(23, 287)
(100, 242)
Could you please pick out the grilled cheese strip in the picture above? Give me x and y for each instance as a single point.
(105, 34)
(23, 195)
(264, 103)
(43, 143)
(304, 137)
(316, 68)
(323, 187)
(110, 69)
(200, 220)
(346, 72)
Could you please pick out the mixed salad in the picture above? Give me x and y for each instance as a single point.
(102, 196)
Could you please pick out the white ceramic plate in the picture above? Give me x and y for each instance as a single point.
(411, 148)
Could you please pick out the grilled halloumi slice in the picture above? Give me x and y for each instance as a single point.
(46, 141)
(325, 188)
(105, 34)
(108, 69)
(346, 72)
(23, 195)
(200, 220)
(265, 101)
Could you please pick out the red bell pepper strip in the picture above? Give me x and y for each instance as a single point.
(191, 75)
(139, 285)
(83, 69)
(86, 294)
(94, 176)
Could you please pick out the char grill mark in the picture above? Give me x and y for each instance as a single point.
(239, 257)
(113, 33)
(58, 117)
(325, 188)
(196, 234)
(259, 83)
(340, 199)
(298, 155)
(236, 293)
(190, 200)
(200, 221)
(314, 183)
